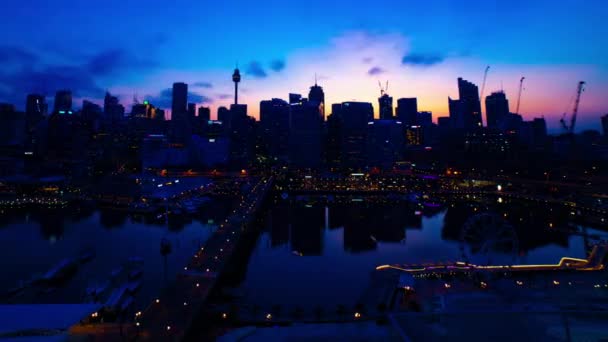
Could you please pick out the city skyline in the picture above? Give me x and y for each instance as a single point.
(421, 57)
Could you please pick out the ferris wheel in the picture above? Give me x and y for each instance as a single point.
(487, 239)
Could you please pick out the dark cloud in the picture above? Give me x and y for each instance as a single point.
(256, 70)
(277, 65)
(16, 56)
(367, 60)
(224, 96)
(202, 85)
(23, 72)
(375, 71)
(46, 81)
(116, 60)
(419, 59)
(164, 97)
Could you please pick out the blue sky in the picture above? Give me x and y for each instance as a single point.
(143, 46)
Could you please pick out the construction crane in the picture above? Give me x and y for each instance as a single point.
(483, 84)
(521, 87)
(383, 90)
(569, 129)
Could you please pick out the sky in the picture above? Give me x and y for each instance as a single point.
(137, 49)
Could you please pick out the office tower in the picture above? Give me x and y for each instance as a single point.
(465, 113)
(407, 111)
(414, 135)
(63, 102)
(295, 98)
(354, 119)
(236, 78)
(425, 119)
(240, 127)
(12, 125)
(539, 129)
(179, 100)
(605, 124)
(305, 121)
(386, 107)
(223, 114)
(497, 110)
(113, 111)
(35, 110)
(274, 126)
(204, 113)
(385, 143)
(191, 111)
(181, 129)
(316, 94)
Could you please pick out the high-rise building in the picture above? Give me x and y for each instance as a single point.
(204, 113)
(35, 110)
(191, 111)
(470, 105)
(113, 112)
(316, 94)
(240, 127)
(295, 98)
(425, 119)
(179, 100)
(181, 129)
(605, 124)
(63, 102)
(407, 111)
(305, 122)
(385, 143)
(354, 119)
(223, 115)
(497, 109)
(274, 126)
(386, 107)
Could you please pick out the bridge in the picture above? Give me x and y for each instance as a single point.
(170, 316)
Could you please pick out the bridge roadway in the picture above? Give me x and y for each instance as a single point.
(170, 316)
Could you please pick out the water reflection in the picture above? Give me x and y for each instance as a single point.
(324, 248)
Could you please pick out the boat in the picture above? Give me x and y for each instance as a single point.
(87, 256)
(133, 286)
(62, 270)
(116, 272)
(135, 274)
(113, 302)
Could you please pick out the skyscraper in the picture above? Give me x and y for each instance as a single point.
(354, 119)
(316, 94)
(605, 124)
(386, 107)
(35, 110)
(204, 114)
(181, 129)
(305, 123)
(497, 109)
(274, 124)
(407, 111)
(179, 101)
(471, 105)
(295, 98)
(63, 102)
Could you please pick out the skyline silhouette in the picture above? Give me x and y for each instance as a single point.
(421, 55)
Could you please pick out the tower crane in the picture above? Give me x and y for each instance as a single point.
(483, 84)
(383, 90)
(569, 129)
(521, 87)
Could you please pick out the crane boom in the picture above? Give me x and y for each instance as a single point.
(521, 86)
(483, 84)
(579, 91)
(570, 128)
